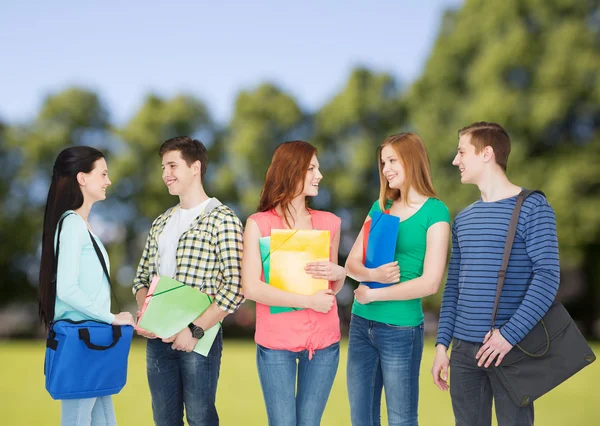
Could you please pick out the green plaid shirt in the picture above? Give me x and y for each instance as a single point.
(209, 255)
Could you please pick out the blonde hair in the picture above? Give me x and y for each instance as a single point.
(415, 161)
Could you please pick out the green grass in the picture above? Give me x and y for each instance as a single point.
(24, 400)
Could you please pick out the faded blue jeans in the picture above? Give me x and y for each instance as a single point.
(382, 355)
(88, 412)
(295, 388)
(472, 389)
(179, 379)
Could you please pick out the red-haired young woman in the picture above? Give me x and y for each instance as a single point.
(297, 352)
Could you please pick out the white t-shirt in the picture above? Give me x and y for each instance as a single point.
(178, 223)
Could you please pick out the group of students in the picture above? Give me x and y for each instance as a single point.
(201, 242)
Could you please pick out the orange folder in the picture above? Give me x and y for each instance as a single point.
(291, 250)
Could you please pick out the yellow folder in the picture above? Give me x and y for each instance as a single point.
(290, 251)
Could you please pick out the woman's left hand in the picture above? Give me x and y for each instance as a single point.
(363, 294)
(325, 270)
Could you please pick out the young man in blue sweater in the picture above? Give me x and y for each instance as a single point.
(478, 240)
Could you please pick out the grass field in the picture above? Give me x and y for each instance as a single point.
(24, 401)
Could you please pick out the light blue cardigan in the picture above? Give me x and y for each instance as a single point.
(82, 289)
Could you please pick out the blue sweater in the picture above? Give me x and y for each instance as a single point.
(478, 240)
(82, 289)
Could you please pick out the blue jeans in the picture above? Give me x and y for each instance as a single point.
(472, 389)
(382, 355)
(178, 378)
(88, 412)
(278, 369)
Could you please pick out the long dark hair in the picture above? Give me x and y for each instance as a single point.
(64, 194)
(288, 169)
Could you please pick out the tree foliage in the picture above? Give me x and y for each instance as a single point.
(531, 65)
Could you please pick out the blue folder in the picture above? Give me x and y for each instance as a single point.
(381, 242)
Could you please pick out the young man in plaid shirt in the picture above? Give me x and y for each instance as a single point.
(198, 242)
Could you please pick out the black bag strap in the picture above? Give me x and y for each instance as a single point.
(84, 334)
(510, 237)
(101, 258)
(55, 263)
(55, 267)
(98, 253)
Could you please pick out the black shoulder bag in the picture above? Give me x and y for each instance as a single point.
(550, 353)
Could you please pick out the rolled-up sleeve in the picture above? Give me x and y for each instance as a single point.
(142, 276)
(229, 249)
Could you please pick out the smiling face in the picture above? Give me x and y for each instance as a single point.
(392, 168)
(93, 184)
(469, 162)
(177, 175)
(312, 179)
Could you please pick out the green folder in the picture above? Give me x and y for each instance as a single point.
(172, 306)
(265, 255)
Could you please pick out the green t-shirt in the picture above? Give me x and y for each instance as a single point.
(410, 254)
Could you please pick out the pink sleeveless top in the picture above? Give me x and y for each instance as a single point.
(304, 329)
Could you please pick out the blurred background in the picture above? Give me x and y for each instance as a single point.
(245, 76)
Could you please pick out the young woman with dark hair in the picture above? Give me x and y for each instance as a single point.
(298, 351)
(81, 290)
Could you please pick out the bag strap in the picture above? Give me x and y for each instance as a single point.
(55, 267)
(101, 258)
(84, 335)
(510, 237)
(98, 253)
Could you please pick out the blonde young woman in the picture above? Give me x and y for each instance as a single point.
(386, 329)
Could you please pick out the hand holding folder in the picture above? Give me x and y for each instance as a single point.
(380, 235)
(319, 246)
(265, 255)
(291, 250)
(170, 306)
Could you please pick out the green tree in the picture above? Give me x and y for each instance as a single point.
(263, 118)
(137, 167)
(139, 194)
(349, 129)
(27, 153)
(534, 67)
(15, 226)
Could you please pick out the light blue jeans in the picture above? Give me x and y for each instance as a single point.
(88, 412)
(295, 388)
(383, 356)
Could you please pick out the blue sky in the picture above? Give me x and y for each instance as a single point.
(124, 50)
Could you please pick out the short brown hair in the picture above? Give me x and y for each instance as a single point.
(191, 150)
(489, 134)
(413, 155)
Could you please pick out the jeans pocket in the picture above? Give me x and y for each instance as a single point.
(263, 349)
(334, 346)
(456, 343)
(399, 327)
